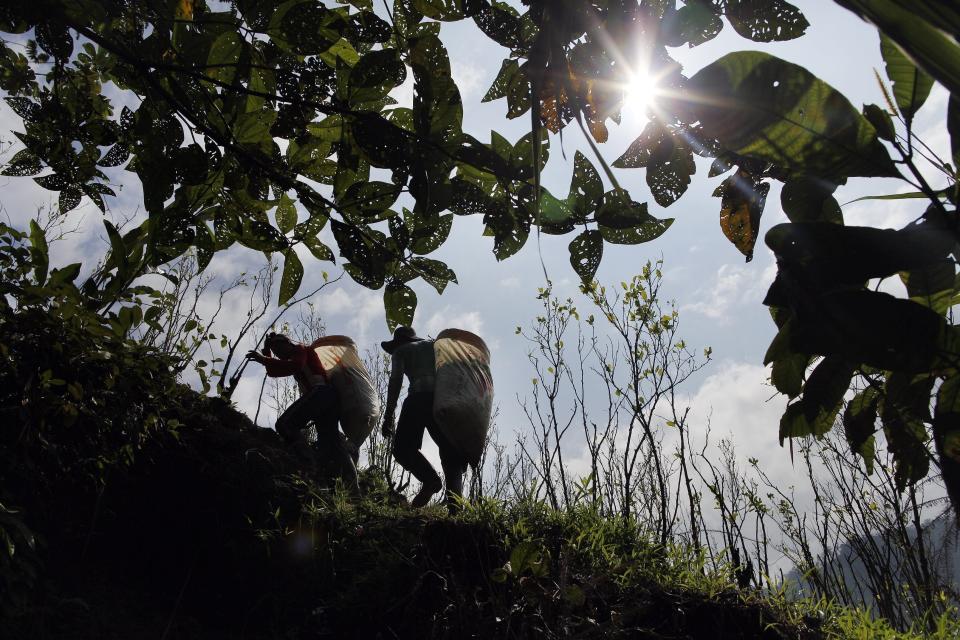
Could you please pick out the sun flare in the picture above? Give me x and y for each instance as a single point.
(640, 92)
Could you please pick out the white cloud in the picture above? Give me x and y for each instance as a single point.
(733, 286)
(444, 319)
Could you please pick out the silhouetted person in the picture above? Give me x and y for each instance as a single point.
(318, 402)
(414, 357)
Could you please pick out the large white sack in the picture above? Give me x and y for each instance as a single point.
(463, 397)
(359, 403)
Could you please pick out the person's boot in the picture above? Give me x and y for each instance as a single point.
(427, 490)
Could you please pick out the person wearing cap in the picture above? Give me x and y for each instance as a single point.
(414, 358)
(318, 401)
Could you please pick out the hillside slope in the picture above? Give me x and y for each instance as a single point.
(135, 508)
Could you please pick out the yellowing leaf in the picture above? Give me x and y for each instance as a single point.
(184, 10)
(743, 197)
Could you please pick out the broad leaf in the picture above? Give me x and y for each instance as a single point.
(859, 424)
(286, 214)
(911, 86)
(292, 276)
(762, 107)
(766, 20)
(742, 201)
(806, 199)
(400, 304)
(815, 412)
(586, 250)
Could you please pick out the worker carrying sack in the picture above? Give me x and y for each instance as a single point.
(359, 403)
(463, 396)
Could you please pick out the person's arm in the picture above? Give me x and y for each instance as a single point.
(393, 393)
(279, 368)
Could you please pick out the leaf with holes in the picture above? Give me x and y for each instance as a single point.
(400, 304)
(292, 276)
(767, 20)
(319, 250)
(586, 251)
(24, 163)
(437, 274)
(742, 199)
(286, 214)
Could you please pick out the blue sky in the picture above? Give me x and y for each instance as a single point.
(718, 295)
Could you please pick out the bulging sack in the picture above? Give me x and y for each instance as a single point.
(463, 396)
(359, 404)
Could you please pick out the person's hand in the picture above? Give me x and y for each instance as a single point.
(256, 356)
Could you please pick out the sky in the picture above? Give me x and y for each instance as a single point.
(717, 294)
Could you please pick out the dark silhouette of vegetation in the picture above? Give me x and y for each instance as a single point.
(106, 455)
(217, 89)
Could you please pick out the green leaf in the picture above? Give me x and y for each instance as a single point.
(292, 276)
(286, 214)
(906, 440)
(528, 556)
(807, 199)
(118, 250)
(694, 23)
(370, 200)
(261, 236)
(400, 304)
(640, 151)
(254, 128)
(881, 121)
(620, 212)
(65, 275)
(859, 424)
(833, 253)
(933, 285)
(40, 251)
(375, 75)
(436, 273)
(501, 85)
(586, 188)
(789, 366)
(669, 171)
(441, 9)
(586, 251)
(816, 411)
(23, 163)
(427, 237)
(304, 27)
(319, 250)
(206, 245)
(766, 20)
(762, 107)
(911, 86)
(555, 215)
(224, 56)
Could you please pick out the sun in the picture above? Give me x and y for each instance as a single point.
(640, 92)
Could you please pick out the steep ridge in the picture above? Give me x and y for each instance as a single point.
(155, 512)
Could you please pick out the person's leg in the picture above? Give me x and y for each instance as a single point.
(408, 440)
(451, 462)
(293, 420)
(326, 418)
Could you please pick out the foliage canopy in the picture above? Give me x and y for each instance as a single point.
(260, 123)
